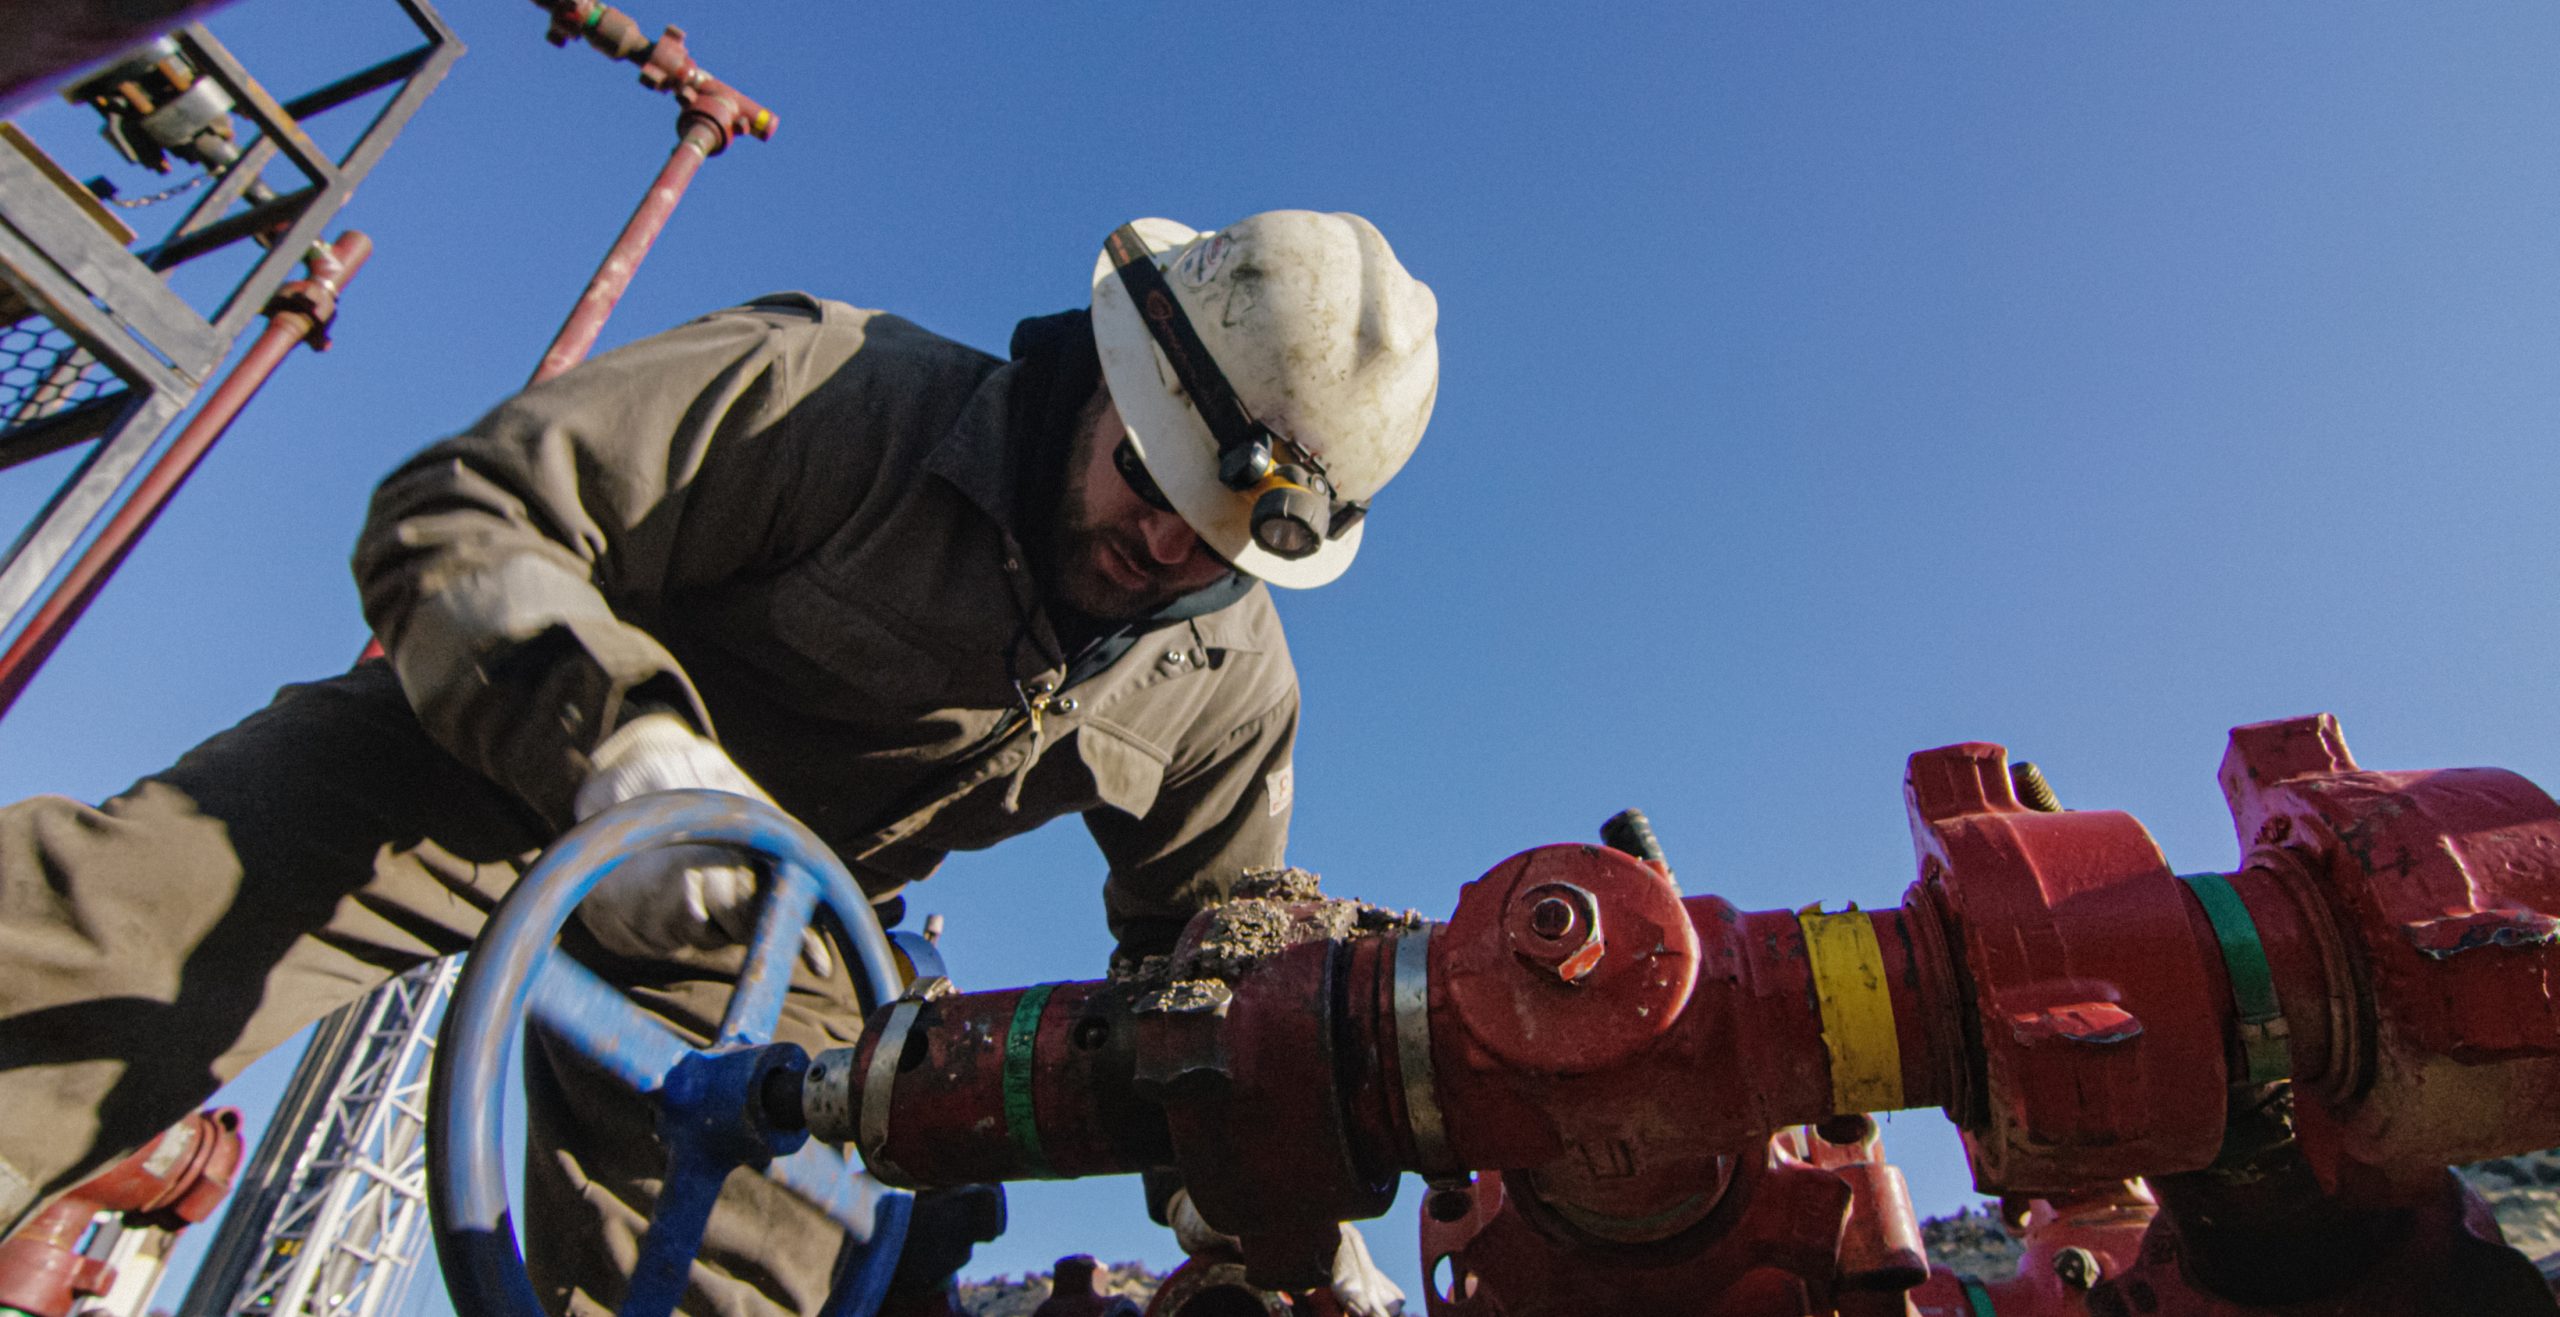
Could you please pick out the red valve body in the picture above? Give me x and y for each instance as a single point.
(175, 1180)
(1622, 1054)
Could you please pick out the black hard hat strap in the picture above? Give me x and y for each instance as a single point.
(1225, 414)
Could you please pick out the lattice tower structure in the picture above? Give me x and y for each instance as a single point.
(331, 1219)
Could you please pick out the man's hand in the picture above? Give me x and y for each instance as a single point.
(674, 897)
(1362, 1289)
(1193, 1232)
(658, 752)
(1358, 1285)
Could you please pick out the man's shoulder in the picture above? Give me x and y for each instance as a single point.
(790, 310)
(821, 327)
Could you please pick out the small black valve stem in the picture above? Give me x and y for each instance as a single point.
(1630, 831)
(2033, 791)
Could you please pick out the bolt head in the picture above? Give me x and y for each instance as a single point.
(1555, 928)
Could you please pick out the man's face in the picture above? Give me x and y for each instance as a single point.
(1119, 557)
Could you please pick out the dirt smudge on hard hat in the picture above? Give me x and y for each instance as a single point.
(1268, 912)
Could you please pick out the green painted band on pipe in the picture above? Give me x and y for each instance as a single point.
(1021, 1123)
(2263, 1039)
(1980, 1299)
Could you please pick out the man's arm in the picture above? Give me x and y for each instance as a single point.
(1210, 823)
(1206, 828)
(493, 564)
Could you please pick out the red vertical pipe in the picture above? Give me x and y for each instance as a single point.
(700, 139)
(299, 313)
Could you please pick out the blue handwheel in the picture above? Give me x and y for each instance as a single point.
(711, 1099)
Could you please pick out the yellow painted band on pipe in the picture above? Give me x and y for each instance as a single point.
(1857, 1011)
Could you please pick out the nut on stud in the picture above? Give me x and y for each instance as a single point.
(1555, 927)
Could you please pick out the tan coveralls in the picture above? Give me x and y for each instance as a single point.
(794, 519)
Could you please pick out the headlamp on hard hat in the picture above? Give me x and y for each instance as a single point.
(1294, 507)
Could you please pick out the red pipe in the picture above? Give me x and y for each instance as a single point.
(713, 112)
(300, 312)
(701, 137)
(174, 1181)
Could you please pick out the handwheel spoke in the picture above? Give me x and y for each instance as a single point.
(755, 1005)
(863, 1271)
(676, 1226)
(826, 1180)
(627, 1042)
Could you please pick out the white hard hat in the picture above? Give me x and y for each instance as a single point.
(1319, 347)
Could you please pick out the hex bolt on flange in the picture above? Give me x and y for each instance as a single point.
(1556, 928)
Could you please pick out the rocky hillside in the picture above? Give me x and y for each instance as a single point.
(2526, 1193)
(1016, 1296)
(1971, 1243)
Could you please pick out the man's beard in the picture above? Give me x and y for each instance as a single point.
(1078, 547)
(1077, 544)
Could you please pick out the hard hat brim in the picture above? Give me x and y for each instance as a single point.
(1175, 444)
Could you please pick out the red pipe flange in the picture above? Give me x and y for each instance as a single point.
(2093, 1012)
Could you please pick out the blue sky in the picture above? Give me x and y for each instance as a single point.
(1822, 383)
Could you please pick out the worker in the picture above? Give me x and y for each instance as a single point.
(922, 599)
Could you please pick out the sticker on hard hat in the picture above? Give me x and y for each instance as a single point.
(1202, 261)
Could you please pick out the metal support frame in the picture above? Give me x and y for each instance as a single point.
(333, 1223)
(329, 1218)
(122, 355)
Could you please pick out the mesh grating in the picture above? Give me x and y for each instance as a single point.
(43, 371)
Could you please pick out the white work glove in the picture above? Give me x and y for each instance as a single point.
(1362, 1289)
(673, 897)
(1358, 1285)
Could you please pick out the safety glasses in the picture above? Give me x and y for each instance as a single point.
(1133, 472)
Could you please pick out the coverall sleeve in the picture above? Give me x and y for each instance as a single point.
(498, 566)
(1209, 825)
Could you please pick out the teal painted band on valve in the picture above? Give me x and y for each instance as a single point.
(1021, 1123)
(1980, 1299)
(2263, 1040)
